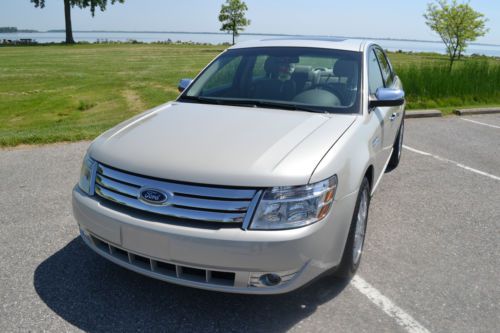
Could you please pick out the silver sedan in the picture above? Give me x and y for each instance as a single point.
(258, 178)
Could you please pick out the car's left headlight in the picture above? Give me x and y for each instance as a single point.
(87, 175)
(288, 207)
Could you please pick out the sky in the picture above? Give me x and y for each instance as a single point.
(353, 18)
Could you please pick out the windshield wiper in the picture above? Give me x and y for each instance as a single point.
(252, 103)
(201, 99)
(278, 105)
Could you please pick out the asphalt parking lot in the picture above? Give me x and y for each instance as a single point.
(431, 261)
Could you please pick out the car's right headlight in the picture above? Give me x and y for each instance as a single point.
(286, 207)
(87, 175)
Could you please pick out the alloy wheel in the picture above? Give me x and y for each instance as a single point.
(359, 234)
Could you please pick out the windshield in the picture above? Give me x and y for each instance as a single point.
(308, 79)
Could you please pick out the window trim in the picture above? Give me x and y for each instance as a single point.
(372, 50)
(391, 71)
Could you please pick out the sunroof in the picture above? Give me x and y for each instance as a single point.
(318, 38)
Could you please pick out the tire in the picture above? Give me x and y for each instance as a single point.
(397, 149)
(353, 249)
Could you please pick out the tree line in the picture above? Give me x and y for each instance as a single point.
(13, 30)
(8, 29)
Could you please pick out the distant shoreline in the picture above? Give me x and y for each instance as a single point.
(244, 34)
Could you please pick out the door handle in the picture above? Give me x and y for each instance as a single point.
(394, 116)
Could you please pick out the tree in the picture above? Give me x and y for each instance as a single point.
(457, 25)
(93, 4)
(232, 17)
(8, 29)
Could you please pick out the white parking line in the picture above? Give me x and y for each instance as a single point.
(460, 165)
(480, 123)
(386, 305)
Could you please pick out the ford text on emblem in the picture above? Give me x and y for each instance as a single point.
(154, 197)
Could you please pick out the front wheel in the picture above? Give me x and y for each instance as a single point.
(397, 149)
(356, 238)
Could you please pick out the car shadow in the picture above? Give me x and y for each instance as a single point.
(98, 296)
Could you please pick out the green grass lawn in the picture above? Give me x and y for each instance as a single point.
(66, 93)
(61, 93)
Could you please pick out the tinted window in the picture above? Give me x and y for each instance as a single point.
(258, 68)
(385, 66)
(323, 80)
(375, 79)
(224, 76)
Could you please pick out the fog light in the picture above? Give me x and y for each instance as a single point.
(270, 279)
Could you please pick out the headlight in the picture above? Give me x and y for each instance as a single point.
(287, 207)
(86, 175)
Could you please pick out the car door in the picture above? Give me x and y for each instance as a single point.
(380, 115)
(395, 112)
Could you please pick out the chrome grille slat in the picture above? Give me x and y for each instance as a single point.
(117, 186)
(177, 200)
(203, 191)
(182, 213)
(230, 206)
(185, 201)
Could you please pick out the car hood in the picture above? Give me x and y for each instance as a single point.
(222, 145)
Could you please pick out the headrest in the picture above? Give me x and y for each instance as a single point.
(272, 65)
(302, 69)
(345, 68)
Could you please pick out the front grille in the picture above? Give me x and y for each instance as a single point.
(186, 201)
(164, 269)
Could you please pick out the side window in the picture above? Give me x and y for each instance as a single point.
(385, 66)
(375, 80)
(224, 76)
(258, 71)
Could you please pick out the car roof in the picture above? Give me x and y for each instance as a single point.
(319, 42)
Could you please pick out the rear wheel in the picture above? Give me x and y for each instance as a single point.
(356, 238)
(397, 149)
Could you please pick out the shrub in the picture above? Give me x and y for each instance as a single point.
(84, 105)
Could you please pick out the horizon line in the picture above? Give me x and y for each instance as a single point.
(246, 33)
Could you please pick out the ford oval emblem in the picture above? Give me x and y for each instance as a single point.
(154, 197)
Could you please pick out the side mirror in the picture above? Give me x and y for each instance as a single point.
(387, 97)
(183, 84)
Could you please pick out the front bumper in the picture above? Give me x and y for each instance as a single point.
(224, 259)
